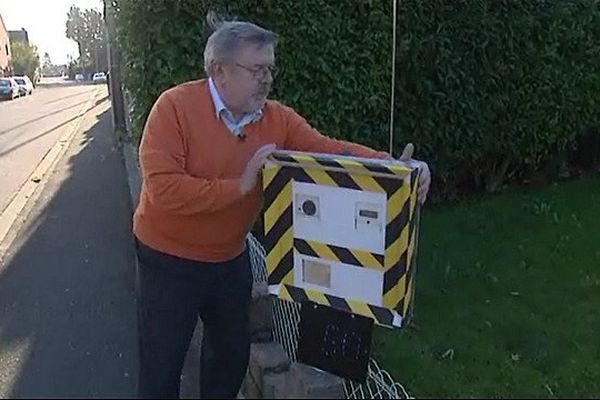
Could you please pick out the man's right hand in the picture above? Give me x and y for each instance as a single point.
(250, 176)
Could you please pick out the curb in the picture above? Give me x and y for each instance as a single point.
(134, 180)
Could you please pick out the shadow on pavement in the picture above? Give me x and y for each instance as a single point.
(67, 290)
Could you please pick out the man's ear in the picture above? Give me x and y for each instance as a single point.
(217, 71)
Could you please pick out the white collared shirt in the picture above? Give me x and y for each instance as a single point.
(223, 113)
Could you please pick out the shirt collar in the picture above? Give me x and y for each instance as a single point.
(220, 105)
(216, 97)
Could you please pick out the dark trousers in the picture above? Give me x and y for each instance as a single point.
(172, 293)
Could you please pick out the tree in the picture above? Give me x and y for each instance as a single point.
(47, 60)
(51, 69)
(76, 28)
(47, 65)
(25, 59)
(87, 29)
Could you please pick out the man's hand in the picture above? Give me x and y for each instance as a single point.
(407, 153)
(250, 176)
(425, 176)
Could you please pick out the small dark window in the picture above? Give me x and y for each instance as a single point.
(368, 214)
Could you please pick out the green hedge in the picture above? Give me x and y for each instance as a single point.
(491, 89)
(335, 70)
(487, 90)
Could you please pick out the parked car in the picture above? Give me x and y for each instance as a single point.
(99, 77)
(79, 77)
(9, 89)
(25, 85)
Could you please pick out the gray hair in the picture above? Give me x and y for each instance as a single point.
(229, 36)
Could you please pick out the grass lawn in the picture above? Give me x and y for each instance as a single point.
(508, 298)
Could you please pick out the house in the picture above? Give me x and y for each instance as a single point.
(5, 68)
(19, 36)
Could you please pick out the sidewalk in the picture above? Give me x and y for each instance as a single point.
(67, 310)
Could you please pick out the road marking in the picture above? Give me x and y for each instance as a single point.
(40, 174)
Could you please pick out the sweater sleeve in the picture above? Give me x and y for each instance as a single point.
(163, 160)
(300, 136)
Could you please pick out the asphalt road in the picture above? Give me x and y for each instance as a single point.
(30, 126)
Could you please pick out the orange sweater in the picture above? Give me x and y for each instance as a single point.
(190, 204)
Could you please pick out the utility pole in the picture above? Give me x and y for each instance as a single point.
(114, 63)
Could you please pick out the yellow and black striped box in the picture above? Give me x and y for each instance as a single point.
(342, 232)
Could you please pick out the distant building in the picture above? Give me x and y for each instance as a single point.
(19, 36)
(4, 50)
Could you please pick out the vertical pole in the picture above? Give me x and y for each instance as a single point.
(114, 62)
(392, 100)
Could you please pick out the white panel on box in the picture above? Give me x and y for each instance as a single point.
(337, 279)
(341, 217)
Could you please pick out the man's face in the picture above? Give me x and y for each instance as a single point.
(247, 79)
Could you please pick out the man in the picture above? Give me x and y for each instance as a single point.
(204, 145)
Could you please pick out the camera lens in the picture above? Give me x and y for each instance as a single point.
(309, 208)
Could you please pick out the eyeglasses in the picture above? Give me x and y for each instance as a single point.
(260, 72)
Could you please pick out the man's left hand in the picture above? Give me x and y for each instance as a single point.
(425, 175)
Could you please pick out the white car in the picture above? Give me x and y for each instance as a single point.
(99, 77)
(25, 85)
(79, 78)
(9, 89)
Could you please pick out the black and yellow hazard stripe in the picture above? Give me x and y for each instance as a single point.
(396, 245)
(400, 185)
(405, 303)
(380, 315)
(345, 173)
(398, 280)
(359, 258)
(278, 219)
(344, 164)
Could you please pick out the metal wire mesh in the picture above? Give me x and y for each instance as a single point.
(286, 316)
